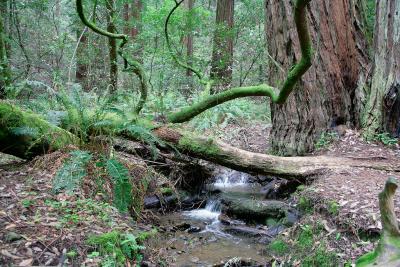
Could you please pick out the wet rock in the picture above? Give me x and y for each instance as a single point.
(275, 230)
(279, 188)
(254, 210)
(247, 231)
(239, 262)
(152, 202)
(182, 227)
(292, 216)
(194, 229)
(193, 202)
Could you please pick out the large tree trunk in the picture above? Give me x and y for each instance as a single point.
(222, 56)
(5, 74)
(382, 112)
(326, 96)
(112, 45)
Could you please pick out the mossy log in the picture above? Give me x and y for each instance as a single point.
(301, 168)
(24, 134)
(387, 253)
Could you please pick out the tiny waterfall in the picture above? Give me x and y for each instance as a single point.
(225, 180)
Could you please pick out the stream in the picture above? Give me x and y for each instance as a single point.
(207, 237)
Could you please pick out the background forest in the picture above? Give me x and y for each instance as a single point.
(199, 132)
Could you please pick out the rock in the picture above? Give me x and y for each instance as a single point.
(152, 202)
(278, 189)
(254, 210)
(194, 259)
(194, 229)
(182, 227)
(193, 202)
(275, 230)
(245, 231)
(292, 216)
(147, 264)
(12, 236)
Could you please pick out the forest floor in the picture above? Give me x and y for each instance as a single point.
(36, 230)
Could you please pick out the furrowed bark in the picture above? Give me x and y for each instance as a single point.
(24, 134)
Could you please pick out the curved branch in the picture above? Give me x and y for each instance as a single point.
(129, 64)
(169, 46)
(292, 78)
(188, 113)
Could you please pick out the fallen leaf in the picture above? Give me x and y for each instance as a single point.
(27, 262)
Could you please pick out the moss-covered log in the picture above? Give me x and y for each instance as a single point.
(24, 134)
(289, 167)
(387, 252)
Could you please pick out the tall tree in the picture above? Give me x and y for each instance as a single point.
(382, 112)
(327, 95)
(189, 37)
(222, 56)
(82, 66)
(112, 45)
(5, 74)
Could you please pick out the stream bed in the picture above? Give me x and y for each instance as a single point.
(206, 237)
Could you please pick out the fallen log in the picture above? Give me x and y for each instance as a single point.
(287, 167)
(24, 134)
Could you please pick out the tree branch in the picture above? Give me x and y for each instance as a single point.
(129, 64)
(292, 78)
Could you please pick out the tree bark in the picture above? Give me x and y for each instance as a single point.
(222, 56)
(82, 67)
(189, 38)
(5, 73)
(112, 45)
(327, 94)
(382, 112)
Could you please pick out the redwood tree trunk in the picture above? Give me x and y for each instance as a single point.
(112, 44)
(222, 56)
(326, 96)
(382, 112)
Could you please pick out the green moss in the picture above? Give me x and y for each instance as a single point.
(166, 191)
(306, 237)
(197, 147)
(367, 259)
(305, 204)
(279, 247)
(321, 258)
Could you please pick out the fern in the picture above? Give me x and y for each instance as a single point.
(72, 172)
(122, 186)
(25, 131)
(146, 136)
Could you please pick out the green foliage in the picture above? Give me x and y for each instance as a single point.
(320, 258)
(305, 204)
(122, 185)
(333, 207)
(385, 139)
(116, 248)
(326, 139)
(145, 135)
(278, 247)
(27, 203)
(72, 171)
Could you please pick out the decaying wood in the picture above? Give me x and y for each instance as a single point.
(387, 253)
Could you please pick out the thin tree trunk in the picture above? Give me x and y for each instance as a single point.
(189, 38)
(382, 112)
(326, 96)
(5, 74)
(112, 44)
(82, 67)
(222, 56)
(127, 18)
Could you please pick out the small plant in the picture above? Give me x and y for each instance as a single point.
(72, 172)
(279, 247)
(306, 237)
(116, 248)
(27, 203)
(333, 207)
(326, 139)
(305, 204)
(385, 139)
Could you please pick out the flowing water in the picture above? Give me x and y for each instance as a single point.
(213, 245)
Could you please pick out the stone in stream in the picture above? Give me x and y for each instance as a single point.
(152, 202)
(253, 209)
(278, 189)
